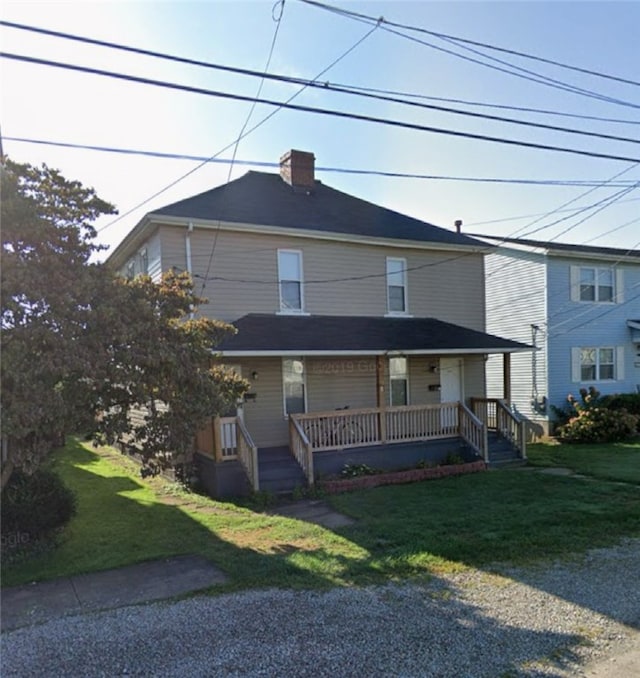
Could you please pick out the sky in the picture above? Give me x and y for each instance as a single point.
(44, 103)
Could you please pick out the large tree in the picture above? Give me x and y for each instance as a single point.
(82, 347)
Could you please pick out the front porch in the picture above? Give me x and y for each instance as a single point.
(392, 438)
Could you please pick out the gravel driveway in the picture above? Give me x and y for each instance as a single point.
(543, 621)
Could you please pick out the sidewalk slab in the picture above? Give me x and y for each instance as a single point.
(314, 511)
(145, 582)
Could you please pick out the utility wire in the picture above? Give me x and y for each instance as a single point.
(311, 109)
(339, 87)
(320, 168)
(485, 45)
(541, 79)
(333, 87)
(277, 19)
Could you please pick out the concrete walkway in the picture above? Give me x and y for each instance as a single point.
(142, 583)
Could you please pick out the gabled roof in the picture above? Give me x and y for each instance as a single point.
(270, 334)
(561, 248)
(265, 199)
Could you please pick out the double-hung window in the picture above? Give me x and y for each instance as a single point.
(398, 381)
(594, 284)
(290, 281)
(396, 286)
(597, 363)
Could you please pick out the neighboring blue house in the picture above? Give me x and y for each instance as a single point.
(579, 305)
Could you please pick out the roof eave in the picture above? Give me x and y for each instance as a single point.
(268, 229)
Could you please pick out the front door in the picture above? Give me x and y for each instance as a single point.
(451, 390)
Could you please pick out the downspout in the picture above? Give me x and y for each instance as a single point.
(187, 248)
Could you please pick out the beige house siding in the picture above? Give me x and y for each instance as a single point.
(243, 277)
(334, 382)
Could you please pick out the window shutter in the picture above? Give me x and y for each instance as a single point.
(619, 363)
(619, 298)
(575, 283)
(575, 364)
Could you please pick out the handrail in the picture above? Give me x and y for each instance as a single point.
(247, 454)
(511, 427)
(485, 409)
(473, 431)
(301, 449)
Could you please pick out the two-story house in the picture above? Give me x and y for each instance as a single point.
(579, 305)
(358, 326)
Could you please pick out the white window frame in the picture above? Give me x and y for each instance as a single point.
(304, 384)
(405, 287)
(131, 269)
(577, 364)
(615, 274)
(283, 309)
(143, 258)
(404, 378)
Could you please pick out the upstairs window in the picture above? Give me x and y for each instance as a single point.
(594, 284)
(290, 281)
(396, 285)
(143, 258)
(131, 269)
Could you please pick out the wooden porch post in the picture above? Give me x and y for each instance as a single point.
(217, 438)
(381, 400)
(506, 376)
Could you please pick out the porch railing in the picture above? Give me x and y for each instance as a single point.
(341, 429)
(512, 428)
(473, 431)
(498, 417)
(301, 449)
(231, 440)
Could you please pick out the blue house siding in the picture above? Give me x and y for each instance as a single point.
(533, 296)
(575, 324)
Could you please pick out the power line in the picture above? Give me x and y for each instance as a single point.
(537, 214)
(340, 87)
(505, 50)
(277, 19)
(484, 104)
(311, 109)
(541, 79)
(380, 95)
(319, 168)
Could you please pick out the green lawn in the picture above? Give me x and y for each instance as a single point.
(402, 531)
(610, 461)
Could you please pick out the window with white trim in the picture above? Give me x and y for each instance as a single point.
(290, 281)
(131, 269)
(596, 284)
(398, 382)
(396, 285)
(143, 257)
(293, 386)
(598, 363)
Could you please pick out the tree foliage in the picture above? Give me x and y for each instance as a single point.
(82, 347)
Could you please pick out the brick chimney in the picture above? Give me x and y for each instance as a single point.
(297, 168)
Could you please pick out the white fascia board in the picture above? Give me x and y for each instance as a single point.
(436, 352)
(131, 242)
(214, 224)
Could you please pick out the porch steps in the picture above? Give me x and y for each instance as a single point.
(278, 471)
(502, 453)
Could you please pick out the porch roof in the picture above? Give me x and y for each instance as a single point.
(277, 335)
